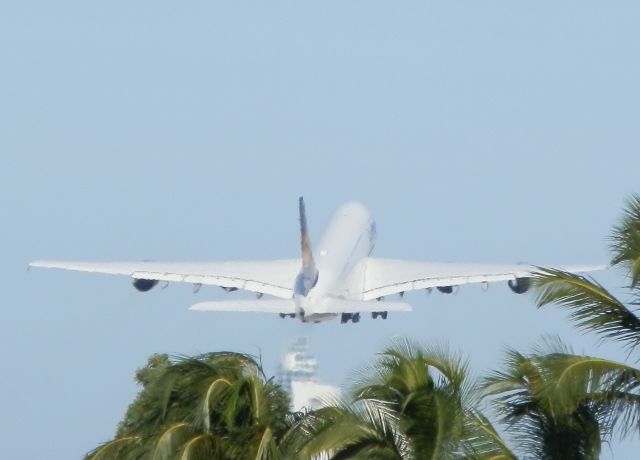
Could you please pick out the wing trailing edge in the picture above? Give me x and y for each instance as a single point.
(388, 276)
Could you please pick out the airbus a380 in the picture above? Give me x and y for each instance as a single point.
(339, 278)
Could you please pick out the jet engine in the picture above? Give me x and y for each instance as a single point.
(143, 285)
(445, 289)
(520, 285)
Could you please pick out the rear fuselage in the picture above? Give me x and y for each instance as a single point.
(348, 240)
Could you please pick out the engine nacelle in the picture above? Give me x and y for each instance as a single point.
(520, 285)
(143, 285)
(445, 289)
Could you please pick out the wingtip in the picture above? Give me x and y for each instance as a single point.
(43, 263)
(37, 264)
(592, 268)
(576, 268)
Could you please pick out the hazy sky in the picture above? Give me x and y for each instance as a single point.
(474, 131)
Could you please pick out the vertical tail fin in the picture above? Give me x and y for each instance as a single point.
(309, 272)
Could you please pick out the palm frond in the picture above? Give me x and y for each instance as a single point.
(610, 388)
(520, 375)
(590, 304)
(215, 405)
(200, 447)
(546, 421)
(265, 446)
(214, 389)
(448, 363)
(170, 440)
(482, 441)
(405, 366)
(112, 449)
(348, 430)
(428, 388)
(625, 240)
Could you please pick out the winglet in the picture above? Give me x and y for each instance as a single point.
(309, 272)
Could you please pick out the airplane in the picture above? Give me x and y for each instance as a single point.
(339, 278)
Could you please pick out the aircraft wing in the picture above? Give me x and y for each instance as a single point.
(275, 277)
(387, 276)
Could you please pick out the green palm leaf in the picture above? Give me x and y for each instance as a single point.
(545, 424)
(591, 305)
(428, 388)
(114, 449)
(612, 389)
(482, 441)
(216, 405)
(169, 441)
(199, 447)
(366, 429)
(625, 240)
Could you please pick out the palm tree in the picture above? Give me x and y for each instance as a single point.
(213, 406)
(592, 306)
(412, 403)
(342, 430)
(594, 309)
(556, 402)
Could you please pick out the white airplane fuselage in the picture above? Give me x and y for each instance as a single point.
(348, 239)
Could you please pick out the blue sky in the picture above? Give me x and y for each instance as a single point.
(474, 131)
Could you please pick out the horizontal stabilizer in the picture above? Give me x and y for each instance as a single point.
(248, 306)
(288, 306)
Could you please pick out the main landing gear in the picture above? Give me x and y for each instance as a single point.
(353, 317)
